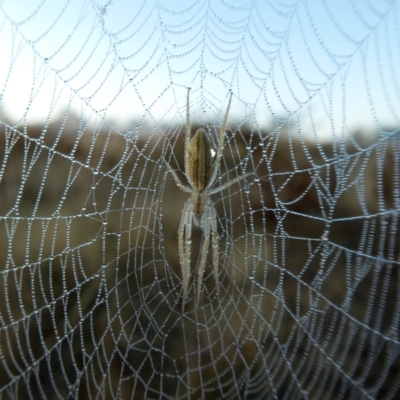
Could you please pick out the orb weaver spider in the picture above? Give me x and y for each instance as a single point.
(201, 173)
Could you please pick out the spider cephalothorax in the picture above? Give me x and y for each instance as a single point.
(201, 172)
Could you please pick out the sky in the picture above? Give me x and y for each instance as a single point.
(329, 65)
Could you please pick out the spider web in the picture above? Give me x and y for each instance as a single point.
(93, 99)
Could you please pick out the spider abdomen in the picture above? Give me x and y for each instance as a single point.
(200, 161)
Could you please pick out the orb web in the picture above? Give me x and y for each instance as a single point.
(93, 100)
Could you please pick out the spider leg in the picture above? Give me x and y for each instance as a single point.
(220, 145)
(187, 137)
(177, 180)
(215, 245)
(206, 241)
(231, 182)
(184, 243)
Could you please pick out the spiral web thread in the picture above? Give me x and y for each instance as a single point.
(308, 248)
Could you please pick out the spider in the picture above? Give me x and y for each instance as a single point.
(201, 173)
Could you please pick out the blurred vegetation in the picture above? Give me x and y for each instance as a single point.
(90, 274)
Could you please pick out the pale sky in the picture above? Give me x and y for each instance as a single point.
(332, 64)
